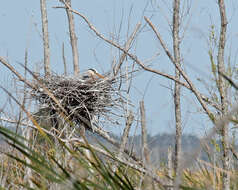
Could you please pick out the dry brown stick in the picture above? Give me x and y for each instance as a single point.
(124, 139)
(145, 149)
(45, 37)
(73, 38)
(189, 82)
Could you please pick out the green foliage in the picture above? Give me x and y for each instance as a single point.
(53, 170)
(50, 169)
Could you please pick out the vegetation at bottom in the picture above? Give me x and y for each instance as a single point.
(52, 165)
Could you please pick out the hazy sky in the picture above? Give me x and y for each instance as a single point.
(21, 29)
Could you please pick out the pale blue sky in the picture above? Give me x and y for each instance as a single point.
(21, 28)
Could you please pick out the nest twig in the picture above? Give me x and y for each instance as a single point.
(81, 99)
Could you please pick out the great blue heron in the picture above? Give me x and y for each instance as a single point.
(92, 74)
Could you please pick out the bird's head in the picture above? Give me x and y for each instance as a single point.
(93, 73)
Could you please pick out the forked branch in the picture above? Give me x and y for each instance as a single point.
(185, 76)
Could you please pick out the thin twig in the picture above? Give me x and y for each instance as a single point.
(191, 87)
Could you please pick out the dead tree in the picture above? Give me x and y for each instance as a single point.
(73, 38)
(177, 104)
(45, 37)
(223, 92)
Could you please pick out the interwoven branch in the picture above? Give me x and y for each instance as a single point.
(82, 100)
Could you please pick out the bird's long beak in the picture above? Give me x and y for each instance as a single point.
(100, 76)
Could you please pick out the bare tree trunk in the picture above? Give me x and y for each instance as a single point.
(124, 139)
(223, 93)
(73, 39)
(148, 182)
(176, 44)
(45, 37)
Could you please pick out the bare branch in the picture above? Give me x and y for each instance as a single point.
(127, 47)
(45, 37)
(160, 39)
(4, 62)
(29, 115)
(192, 87)
(98, 130)
(134, 58)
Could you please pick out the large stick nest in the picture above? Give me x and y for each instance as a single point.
(81, 99)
